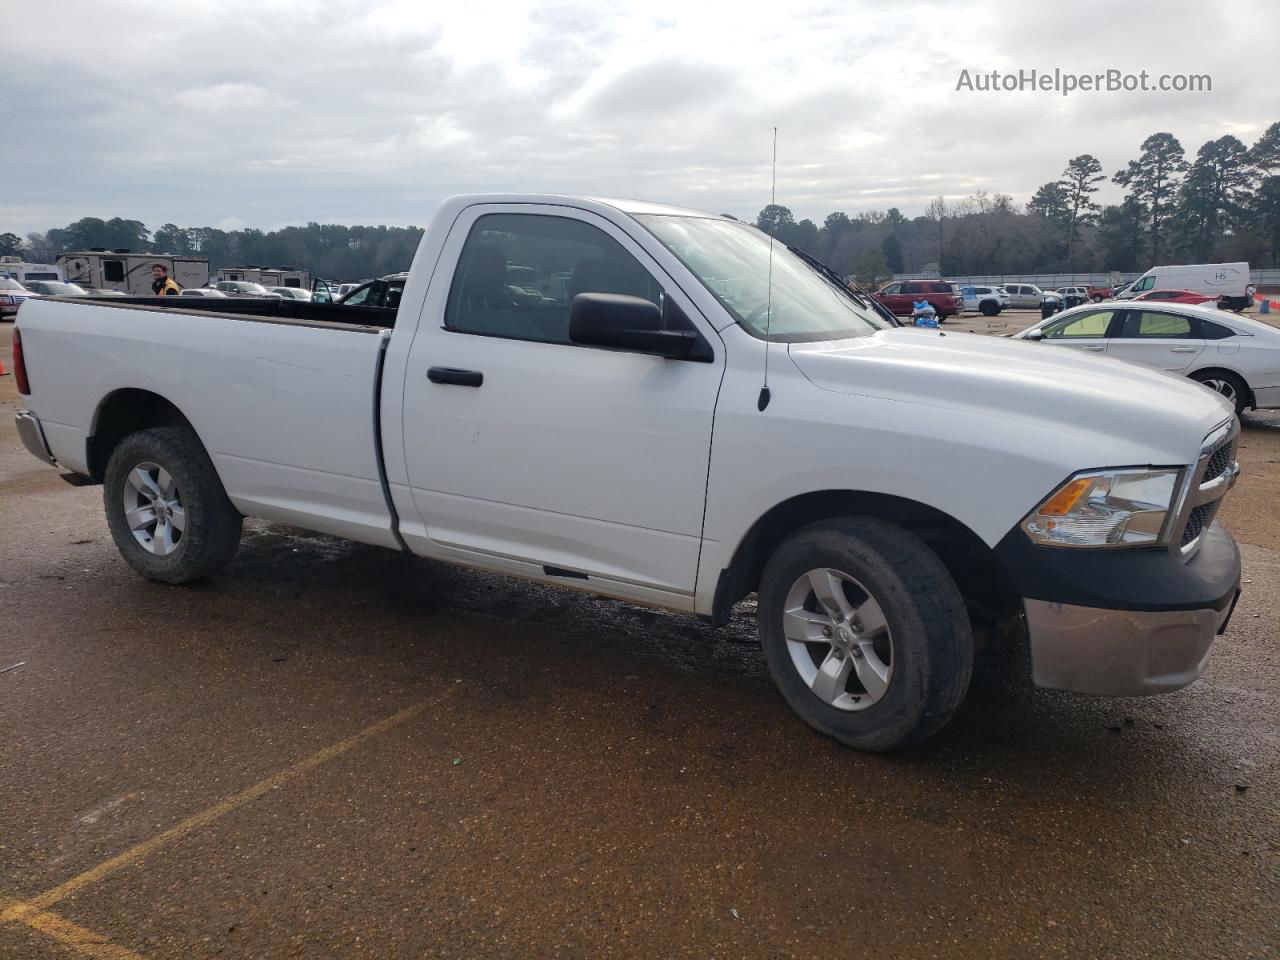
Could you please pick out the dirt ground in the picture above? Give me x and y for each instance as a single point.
(337, 751)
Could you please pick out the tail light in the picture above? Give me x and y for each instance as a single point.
(19, 364)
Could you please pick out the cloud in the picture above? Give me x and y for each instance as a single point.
(276, 111)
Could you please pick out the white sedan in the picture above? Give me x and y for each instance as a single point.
(1235, 355)
(291, 293)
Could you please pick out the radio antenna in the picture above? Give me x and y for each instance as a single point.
(763, 400)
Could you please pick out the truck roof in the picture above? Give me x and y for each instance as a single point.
(630, 207)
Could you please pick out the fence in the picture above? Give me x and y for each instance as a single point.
(1050, 281)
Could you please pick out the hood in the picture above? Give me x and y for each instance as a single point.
(1009, 379)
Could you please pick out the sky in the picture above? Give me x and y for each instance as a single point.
(274, 112)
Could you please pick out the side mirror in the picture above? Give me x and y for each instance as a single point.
(1033, 335)
(631, 323)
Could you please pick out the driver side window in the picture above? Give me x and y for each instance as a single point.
(1092, 324)
(518, 273)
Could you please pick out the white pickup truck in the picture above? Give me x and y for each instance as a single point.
(658, 405)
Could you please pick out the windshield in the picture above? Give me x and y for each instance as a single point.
(732, 261)
(7, 284)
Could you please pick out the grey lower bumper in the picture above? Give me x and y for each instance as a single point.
(33, 436)
(1119, 653)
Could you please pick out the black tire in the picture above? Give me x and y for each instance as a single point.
(989, 308)
(1097, 298)
(932, 641)
(211, 532)
(1226, 383)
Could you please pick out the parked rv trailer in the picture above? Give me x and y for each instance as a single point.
(268, 276)
(18, 269)
(130, 272)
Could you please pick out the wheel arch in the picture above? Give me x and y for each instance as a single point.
(981, 577)
(123, 412)
(1211, 369)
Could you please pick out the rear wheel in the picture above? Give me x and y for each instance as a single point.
(865, 633)
(1226, 383)
(168, 513)
(989, 308)
(1097, 298)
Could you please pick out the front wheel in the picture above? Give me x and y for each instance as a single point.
(865, 633)
(167, 510)
(989, 308)
(1097, 298)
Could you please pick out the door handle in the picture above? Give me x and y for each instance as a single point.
(1096, 347)
(462, 378)
(1185, 349)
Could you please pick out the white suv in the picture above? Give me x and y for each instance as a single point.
(988, 301)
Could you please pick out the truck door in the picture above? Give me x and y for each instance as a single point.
(1168, 341)
(530, 453)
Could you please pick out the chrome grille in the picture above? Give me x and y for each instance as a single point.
(1199, 518)
(1214, 474)
(1219, 462)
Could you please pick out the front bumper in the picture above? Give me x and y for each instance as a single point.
(1120, 653)
(1123, 623)
(32, 435)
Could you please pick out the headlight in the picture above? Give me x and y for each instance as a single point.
(1107, 508)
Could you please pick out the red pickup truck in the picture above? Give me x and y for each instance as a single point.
(899, 295)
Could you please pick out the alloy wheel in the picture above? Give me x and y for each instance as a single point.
(838, 638)
(1224, 387)
(153, 509)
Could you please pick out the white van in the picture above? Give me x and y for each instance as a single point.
(16, 268)
(1229, 282)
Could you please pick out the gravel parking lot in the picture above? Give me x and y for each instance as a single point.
(337, 751)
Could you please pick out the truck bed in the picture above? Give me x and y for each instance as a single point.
(282, 395)
(255, 307)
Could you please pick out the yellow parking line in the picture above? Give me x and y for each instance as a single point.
(82, 941)
(29, 910)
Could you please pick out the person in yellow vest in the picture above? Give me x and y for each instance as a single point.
(162, 284)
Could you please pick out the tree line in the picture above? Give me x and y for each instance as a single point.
(1221, 205)
(332, 251)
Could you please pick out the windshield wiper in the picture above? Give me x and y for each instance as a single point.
(852, 289)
